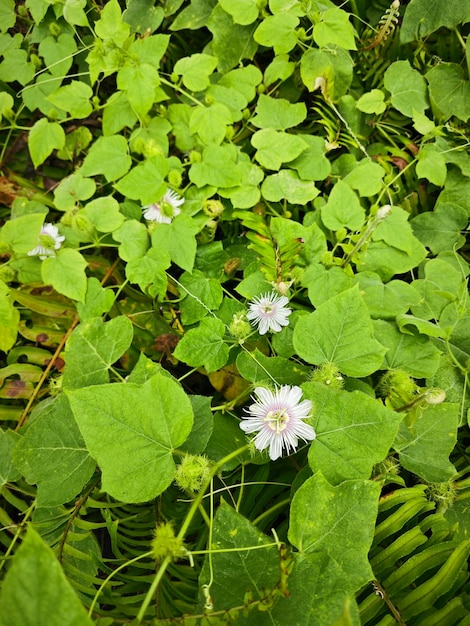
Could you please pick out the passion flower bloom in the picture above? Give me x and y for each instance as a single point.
(165, 209)
(277, 416)
(269, 312)
(49, 241)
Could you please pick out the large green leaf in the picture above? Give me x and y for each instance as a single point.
(423, 17)
(44, 137)
(340, 520)
(340, 332)
(35, 590)
(236, 571)
(414, 354)
(132, 430)
(108, 156)
(200, 295)
(343, 209)
(91, 350)
(354, 432)
(178, 239)
(53, 455)
(66, 273)
(425, 447)
(449, 91)
(407, 87)
(278, 113)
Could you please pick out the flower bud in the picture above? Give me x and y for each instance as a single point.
(213, 208)
(240, 327)
(328, 374)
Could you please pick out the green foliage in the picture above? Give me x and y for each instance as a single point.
(172, 173)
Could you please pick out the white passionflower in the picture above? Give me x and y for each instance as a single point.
(49, 241)
(269, 312)
(165, 209)
(277, 418)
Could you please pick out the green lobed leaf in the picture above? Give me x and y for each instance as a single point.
(354, 432)
(72, 189)
(425, 447)
(334, 28)
(140, 81)
(145, 181)
(195, 70)
(387, 260)
(278, 113)
(66, 273)
(98, 300)
(132, 430)
(10, 317)
(386, 300)
(210, 123)
(203, 424)
(276, 147)
(340, 520)
(423, 17)
(407, 87)
(237, 571)
(218, 167)
(414, 354)
(442, 228)
(278, 32)
(44, 137)
(323, 283)
(340, 332)
(91, 350)
(312, 164)
(111, 25)
(431, 165)
(108, 156)
(204, 345)
(372, 102)
(149, 272)
(52, 454)
(449, 91)
(194, 16)
(242, 11)
(366, 178)
(74, 97)
(199, 296)
(58, 53)
(134, 240)
(104, 214)
(178, 239)
(342, 209)
(260, 369)
(36, 591)
(287, 185)
(231, 43)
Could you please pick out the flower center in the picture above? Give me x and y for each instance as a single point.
(277, 420)
(47, 241)
(268, 309)
(166, 208)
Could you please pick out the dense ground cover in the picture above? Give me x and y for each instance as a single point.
(234, 312)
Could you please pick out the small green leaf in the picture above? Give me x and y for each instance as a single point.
(210, 123)
(312, 164)
(22, 232)
(407, 87)
(324, 283)
(372, 102)
(139, 81)
(366, 178)
(200, 295)
(7, 15)
(195, 70)
(423, 17)
(340, 520)
(431, 165)
(132, 430)
(287, 185)
(386, 300)
(340, 332)
(92, 349)
(104, 214)
(66, 273)
(53, 455)
(111, 25)
(134, 240)
(74, 98)
(342, 209)
(218, 167)
(142, 15)
(145, 181)
(148, 271)
(98, 300)
(72, 189)
(36, 591)
(242, 11)
(396, 230)
(425, 447)
(204, 345)
(108, 156)
(276, 147)
(178, 239)
(278, 32)
(231, 43)
(44, 137)
(74, 12)
(278, 113)
(334, 28)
